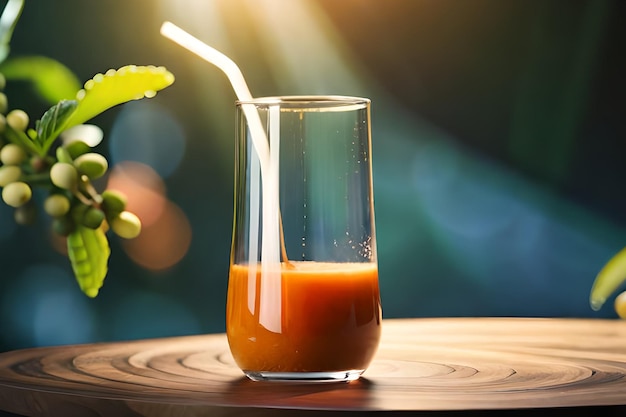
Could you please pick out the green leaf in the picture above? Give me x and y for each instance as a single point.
(53, 122)
(89, 251)
(116, 87)
(52, 80)
(101, 93)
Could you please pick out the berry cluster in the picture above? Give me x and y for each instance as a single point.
(47, 161)
(66, 177)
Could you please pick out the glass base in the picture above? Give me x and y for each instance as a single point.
(305, 377)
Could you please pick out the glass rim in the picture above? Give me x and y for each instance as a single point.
(307, 100)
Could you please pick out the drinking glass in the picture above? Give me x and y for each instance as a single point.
(303, 298)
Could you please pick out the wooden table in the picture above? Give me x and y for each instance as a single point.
(509, 366)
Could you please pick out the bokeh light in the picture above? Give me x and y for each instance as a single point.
(90, 134)
(162, 243)
(143, 188)
(43, 306)
(145, 132)
(166, 233)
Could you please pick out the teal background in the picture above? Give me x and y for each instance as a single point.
(498, 139)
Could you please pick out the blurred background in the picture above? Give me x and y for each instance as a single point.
(498, 136)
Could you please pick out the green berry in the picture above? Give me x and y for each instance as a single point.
(3, 123)
(4, 103)
(12, 154)
(113, 203)
(78, 212)
(40, 164)
(63, 226)
(9, 174)
(76, 148)
(91, 164)
(64, 175)
(127, 225)
(93, 218)
(3, 81)
(16, 194)
(18, 120)
(56, 205)
(25, 215)
(63, 155)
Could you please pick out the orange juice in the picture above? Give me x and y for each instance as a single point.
(329, 318)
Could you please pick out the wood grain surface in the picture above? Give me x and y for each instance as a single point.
(423, 367)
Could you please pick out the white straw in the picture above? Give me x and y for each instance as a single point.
(270, 310)
(253, 227)
(232, 71)
(270, 257)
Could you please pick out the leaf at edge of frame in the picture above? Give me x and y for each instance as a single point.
(610, 277)
(52, 80)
